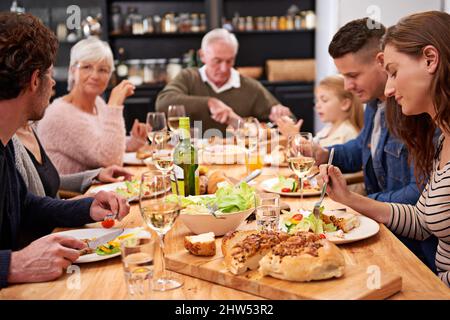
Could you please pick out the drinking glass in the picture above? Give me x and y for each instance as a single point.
(248, 134)
(156, 126)
(268, 212)
(301, 156)
(163, 153)
(160, 209)
(137, 260)
(173, 116)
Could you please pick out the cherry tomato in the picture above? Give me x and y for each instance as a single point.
(297, 217)
(286, 190)
(306, 184)
(322, 236)
(108, 223)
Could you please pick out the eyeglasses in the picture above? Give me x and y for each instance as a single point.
(89, 69)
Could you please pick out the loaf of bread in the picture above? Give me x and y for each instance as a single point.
(243, 250)
(201, 245)
(303, 257)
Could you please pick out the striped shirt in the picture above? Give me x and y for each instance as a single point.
(430, 215)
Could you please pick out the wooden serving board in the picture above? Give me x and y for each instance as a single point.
(354, 284)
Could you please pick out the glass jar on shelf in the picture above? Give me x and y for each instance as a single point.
(161, 71)
(241, 24)
(149, 71)
(173, 68)
(135, 72)
(274, 23)
(184, 23)
(267, 23)
(128, 24)
(298, 22)
(195, 22)
(260, 24)
(290, 23)
(203, 24)
(157, 23)
(169, 25)
(282, 23)
(249, 23)
(147, 25)
(116, 19)
(136, 23)
(310, 20)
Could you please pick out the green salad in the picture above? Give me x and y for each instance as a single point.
(227, 199)
(298, 222)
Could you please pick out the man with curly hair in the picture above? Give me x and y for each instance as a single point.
(27, 53)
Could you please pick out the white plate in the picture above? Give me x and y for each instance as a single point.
(95, 233)
(130, 158)
(113, 187)
(366, 229)
(267, 186)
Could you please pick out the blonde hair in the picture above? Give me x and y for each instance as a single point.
(220, 34)
(91, 49)
(356, 112)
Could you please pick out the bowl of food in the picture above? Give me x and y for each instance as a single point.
(230, 204)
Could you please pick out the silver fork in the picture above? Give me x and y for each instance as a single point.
(212, 209)
(316, 210)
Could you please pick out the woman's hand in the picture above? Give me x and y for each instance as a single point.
(287, 127)
(120, 92)
(113, 174)
(336, 185)
(138, 137)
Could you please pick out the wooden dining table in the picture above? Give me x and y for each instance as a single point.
(105, 279)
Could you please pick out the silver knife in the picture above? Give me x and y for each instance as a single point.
(251, 176)
(105, 238)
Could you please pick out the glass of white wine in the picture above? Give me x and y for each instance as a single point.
(301, 156)
(173, 116)
(156, 126)
(160, 209)
(163, 153)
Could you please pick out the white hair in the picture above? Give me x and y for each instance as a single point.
(220, 34)
(91, 49)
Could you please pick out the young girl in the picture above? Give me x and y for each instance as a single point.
(340, 109)
(417, 61)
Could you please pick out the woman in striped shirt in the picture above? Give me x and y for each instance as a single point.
(417, 62)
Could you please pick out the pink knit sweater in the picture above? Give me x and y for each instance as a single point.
(78, 141)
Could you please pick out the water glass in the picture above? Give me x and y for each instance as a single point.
(268, 212)
(137, 261)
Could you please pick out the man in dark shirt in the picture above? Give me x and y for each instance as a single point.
(27, 54)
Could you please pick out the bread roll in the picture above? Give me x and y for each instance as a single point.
(214, 178)
(303, 257)
(201, 245)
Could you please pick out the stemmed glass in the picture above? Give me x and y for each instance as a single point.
(163, 153)
(174, 113)
(156, 126)
(160, 211)
(301, 156)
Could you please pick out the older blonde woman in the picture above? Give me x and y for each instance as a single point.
(80, 131)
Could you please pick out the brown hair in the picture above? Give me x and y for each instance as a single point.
(26, 45)
(357, 35)
(409, 36)
(336, 83)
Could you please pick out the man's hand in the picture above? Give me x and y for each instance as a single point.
(113, 174)
(106, 203)
(44, 259)
(277, 111)
(120, 92)
(220, 112)
(287, 126)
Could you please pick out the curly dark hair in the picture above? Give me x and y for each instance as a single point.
(26, 45)
(356, 35)
(410, 36)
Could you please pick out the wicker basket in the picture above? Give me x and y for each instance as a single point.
(291, 70)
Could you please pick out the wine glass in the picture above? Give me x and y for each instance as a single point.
(163, 153)
(156, 126)
(159, 210)
(301, 156)
(173, 116)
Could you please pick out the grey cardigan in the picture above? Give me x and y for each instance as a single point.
(77, 182)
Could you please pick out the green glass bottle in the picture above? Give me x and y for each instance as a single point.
(186, 161)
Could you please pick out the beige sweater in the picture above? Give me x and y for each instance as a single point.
(188, 89)
(345, 132)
